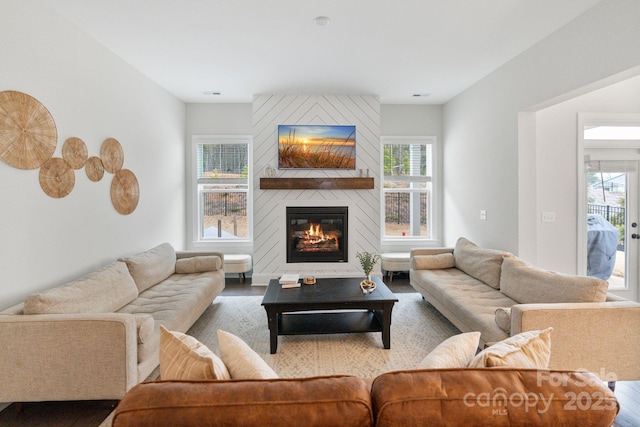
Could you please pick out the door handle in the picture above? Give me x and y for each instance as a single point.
(635, 236)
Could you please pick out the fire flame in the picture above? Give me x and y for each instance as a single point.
(315, 235)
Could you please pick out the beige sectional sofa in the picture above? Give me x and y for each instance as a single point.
(98, 336)
(498, 294)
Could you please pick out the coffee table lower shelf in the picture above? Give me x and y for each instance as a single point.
(329, 322)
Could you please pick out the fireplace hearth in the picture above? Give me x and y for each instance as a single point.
(317, 234)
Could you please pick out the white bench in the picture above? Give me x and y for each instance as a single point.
(391, 262)
(237, 263)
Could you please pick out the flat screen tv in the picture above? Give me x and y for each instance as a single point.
(316, 147)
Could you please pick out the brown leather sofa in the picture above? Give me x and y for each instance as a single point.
(496, 397)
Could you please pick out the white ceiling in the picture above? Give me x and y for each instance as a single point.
(390, 48)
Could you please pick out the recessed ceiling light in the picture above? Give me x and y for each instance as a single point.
(321, 21)
(211, 92)
(420, 95)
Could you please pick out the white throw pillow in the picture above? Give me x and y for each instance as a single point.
(531, 349)
(182, 357)
(454, 352)
(241, 360)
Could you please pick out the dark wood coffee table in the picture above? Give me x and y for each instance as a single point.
(331, 306)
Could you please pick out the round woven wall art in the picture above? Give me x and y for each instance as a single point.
(74, 151)
(112, 155)
(125, 191)
(28, 135)
(94, 168)
(57, 177)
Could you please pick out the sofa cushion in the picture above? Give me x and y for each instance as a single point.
(531, 349)
(198, 264)
(454, 352)
(153, 266)
(182, 357)
(503, 319)
(311, 402)
(432, 262)
(467, 302)
(529, 285)
(241, 360)
(483, 264)
(103, 291)
(178, 301)
(490, 397)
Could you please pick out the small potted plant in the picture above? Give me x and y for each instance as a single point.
(367, 261)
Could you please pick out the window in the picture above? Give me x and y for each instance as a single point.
(408, 194)
(222, 176)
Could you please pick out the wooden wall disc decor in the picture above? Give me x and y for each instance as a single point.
(28, 134)
(112, 155)
(57, 178)
(125, 192)
(74, 151)
(94, 168)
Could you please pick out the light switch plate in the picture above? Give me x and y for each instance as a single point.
(548, 217)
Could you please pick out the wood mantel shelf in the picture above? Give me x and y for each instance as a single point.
(316, 183)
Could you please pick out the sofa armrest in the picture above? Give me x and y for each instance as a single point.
(430, 251)
(90, 356)
(603, 338)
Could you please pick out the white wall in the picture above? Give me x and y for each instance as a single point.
(556, 156)
(481, 124)
(92, 94)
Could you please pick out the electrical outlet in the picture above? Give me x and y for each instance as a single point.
(548, 217)
(483, 215)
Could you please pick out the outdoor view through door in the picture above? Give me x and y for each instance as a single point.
(613, 224)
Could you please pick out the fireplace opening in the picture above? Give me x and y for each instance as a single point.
(317, 234)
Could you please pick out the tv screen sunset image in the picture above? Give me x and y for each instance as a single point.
(316, 147)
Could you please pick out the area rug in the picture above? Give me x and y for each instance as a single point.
(416, 329)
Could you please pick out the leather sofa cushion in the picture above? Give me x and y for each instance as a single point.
(153, 266)
(531, 285)
(480, 263)
(103, 291)
(498, 396)
(317, 401)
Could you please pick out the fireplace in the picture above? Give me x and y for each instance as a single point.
(317, 234)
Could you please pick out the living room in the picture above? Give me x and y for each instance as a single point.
(501, 145)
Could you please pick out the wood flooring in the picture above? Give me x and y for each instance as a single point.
(92, 413)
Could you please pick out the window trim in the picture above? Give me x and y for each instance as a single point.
(410, 241)
(194, 202)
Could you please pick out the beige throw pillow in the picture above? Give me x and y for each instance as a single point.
(144, 325)
(198, 264)
(182, 357)
(503, 319)
(241, 360)
(103, 291)
(531, 285)
(153, 266)
(454, 352)
(531, 349)
(482, 264)
(433, 262)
